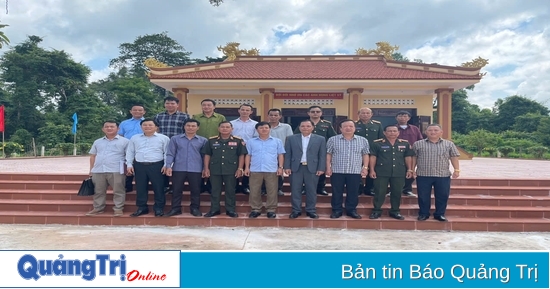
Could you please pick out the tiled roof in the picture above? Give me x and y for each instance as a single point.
(313, 70)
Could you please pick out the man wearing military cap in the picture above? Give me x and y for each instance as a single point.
(371, 130)
(323, 128)
(223, 163)
(390, 162)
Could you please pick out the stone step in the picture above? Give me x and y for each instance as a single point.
(282, 220)
(455, 198)
(455, 182)
(363, 208)
(461, 189)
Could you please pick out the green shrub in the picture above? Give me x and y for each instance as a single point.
(65, 148)
(538, 151)
(11, 148)
(506, 150)
(84, 148)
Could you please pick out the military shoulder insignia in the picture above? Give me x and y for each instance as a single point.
(213, 137)
(236, 137)
(403, 140)
(379, 140)
(375, 121)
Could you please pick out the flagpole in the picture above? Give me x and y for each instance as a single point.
(74, 145)
(3, 146)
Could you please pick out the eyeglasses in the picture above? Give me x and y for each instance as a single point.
(315, 111)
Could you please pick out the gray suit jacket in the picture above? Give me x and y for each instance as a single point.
(316, 153)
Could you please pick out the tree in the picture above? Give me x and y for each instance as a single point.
(481, 139)
(158, 46)
(506, 110)
(397, 56)
(528, 122)
(216, 2)
(4, 40)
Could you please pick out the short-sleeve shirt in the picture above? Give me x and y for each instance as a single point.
(244, 129)
(432, 159)
(110, 154)
(372, 130)
(264, 154)
(209, 125)
(130, 127)
(347, 155)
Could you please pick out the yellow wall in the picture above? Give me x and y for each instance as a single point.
(423, 103)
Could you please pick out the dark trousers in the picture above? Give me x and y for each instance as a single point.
(380, 189)
(217, 182)
(166, 181)
(442, 188)
(129, 183)
(408, 185)
(351, 183)
(145, 173)
(244, 184)
(323, 182)
(178, 180)
(367, 187)
(206, 185)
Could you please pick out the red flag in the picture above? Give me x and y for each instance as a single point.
(2, 118)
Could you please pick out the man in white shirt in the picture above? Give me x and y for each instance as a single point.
(245, 128)
(281, 131)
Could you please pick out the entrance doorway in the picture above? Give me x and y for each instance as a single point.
(294, 116)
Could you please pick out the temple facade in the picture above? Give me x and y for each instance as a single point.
(340, 84)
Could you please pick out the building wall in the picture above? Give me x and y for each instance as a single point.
(423, 103)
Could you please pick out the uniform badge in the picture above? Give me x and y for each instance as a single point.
(385, 147)
(232, 143)
(401, 147)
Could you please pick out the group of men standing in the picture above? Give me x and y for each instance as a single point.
(213, 154)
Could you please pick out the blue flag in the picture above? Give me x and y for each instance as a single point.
(75, 119)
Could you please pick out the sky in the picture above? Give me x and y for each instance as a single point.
(513, 35)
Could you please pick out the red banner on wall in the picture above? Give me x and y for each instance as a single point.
(308, 95)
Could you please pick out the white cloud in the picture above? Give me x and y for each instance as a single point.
(514, 35)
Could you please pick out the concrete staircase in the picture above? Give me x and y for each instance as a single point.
(474, 205)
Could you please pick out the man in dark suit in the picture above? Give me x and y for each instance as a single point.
(305, 161)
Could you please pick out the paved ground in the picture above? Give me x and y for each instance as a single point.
(100, 237)
(476, 168)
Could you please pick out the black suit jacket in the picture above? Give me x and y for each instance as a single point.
(316, 153)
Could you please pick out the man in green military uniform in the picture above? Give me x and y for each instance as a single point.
(223, 163)
(325, 129)
(209, 127)
(390, 162)
(371, 130)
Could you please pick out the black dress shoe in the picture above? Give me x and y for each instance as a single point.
(254, 215)
(196, 212)
(374, 216)
(335, 215)
(168, 191)
(397, 216)
(280, 193)
(303, 192)
(264, 193)
(369, 193)
(246, 191)
(139, 213)
(441, 218)
(211, 214)
(159, 213)
(295, 215)
(173, 213)
(312, 215)
(422, 218)
(271, 215)
(232, 214)
(354, 215)
(322, 193)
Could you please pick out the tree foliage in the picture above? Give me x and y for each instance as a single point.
(158, 46)
(506, 110)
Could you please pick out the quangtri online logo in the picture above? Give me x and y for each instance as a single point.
(129, 268)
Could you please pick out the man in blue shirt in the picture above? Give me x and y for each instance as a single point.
(184, 163)
(264, 162)
(130, 128)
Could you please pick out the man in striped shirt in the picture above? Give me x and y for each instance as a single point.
(347, 162)
(432, 170)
